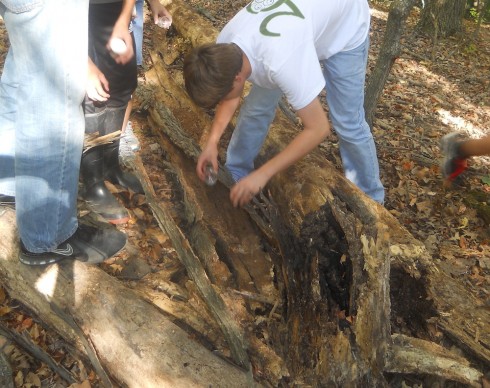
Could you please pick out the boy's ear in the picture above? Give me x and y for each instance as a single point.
(239, 78)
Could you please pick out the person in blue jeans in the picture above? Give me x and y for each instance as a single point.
(294, 48)
(42, 129)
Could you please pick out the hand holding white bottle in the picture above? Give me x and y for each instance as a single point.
(117, 46)
(164, 22)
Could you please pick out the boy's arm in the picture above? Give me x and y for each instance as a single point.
(121, 31)
(224, 113)
(315, 129)
(158, 10)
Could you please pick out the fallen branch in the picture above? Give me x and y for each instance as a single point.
(412, 355)
(24, 341)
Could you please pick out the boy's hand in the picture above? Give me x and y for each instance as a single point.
(97, 84)
(209, 155)
(158, 10)
(247, 188)
(121, 32)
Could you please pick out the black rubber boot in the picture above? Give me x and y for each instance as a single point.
(113, 121)
(114, 173)
(96, 193)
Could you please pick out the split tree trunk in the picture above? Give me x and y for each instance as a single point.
(371, 239)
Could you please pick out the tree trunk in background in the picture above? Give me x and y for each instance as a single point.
(442, 18)
(390, 49)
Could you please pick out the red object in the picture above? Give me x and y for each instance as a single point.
(460, 165)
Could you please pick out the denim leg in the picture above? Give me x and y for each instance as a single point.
(345, 75)
(137, 28)
(48, 40)
(256, 114)
(8, 92)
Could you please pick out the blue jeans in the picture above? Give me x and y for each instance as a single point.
(41, 118)
(344, 75)
(137, 28)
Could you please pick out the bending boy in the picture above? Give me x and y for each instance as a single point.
(296, 48)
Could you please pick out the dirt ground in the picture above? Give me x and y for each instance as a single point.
(433, 89)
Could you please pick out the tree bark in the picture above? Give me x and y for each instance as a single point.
(132, 343)
(390, 50)
(442, 18)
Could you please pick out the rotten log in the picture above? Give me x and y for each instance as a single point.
(132, 341)
(313, 184)
(212, 225)
(198, 275)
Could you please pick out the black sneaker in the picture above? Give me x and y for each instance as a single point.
(7, 200)
(88, 244)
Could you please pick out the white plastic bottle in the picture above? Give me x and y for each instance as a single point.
(117, 46)
(164, 22)
(211, 175)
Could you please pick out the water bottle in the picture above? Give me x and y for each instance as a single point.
(164, 22)
(211, 175)
(117, 46)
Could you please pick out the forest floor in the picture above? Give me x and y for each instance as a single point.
(433, 89)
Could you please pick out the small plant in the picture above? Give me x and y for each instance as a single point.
(486, 180)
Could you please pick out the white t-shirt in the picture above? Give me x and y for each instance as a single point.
(285, 39)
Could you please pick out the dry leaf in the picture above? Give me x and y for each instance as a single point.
(33, 380)
(463, 223)
(19, 379)
(26, 324)
(462, 242)
(117, 267)
(83, 384)
(4, 310)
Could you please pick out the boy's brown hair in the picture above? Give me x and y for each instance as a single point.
(209, 72)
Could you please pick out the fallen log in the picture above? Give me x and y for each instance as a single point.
(226, 242)
(196, 272)
(133, 343)
(373, 240)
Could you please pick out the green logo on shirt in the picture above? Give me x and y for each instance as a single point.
(257, 6)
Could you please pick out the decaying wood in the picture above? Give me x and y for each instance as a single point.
(339, 269)
(93, 139)
(196, 272)
(212, 226)
(411, 355)
(115, 321)
(374, 241)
